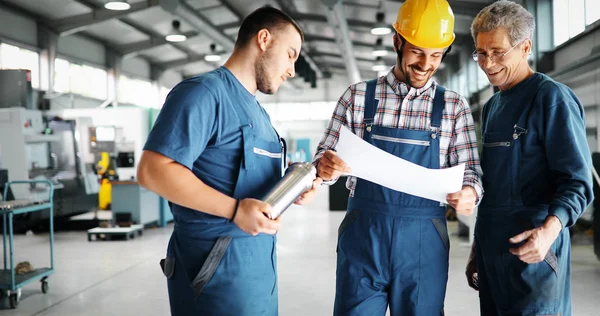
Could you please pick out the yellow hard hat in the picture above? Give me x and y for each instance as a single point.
(426, 23)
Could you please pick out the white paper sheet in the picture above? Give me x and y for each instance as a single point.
(373, 164)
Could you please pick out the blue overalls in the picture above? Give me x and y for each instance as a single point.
(393, 247)
(213, 267)
(507, 285)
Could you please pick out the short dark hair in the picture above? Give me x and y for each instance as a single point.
(266, 17)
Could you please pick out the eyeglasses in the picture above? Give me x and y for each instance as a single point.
(494, 57)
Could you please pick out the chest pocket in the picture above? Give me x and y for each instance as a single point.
(261, 164)
(497, 139)
(267, 153)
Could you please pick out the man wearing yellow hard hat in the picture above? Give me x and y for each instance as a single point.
(392, 246)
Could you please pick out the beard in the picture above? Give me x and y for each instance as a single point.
(263, 83)
(400, 66)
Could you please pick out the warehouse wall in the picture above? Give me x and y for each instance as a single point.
(577, 64)
(15, 27)
(79, 48)
(137, 67)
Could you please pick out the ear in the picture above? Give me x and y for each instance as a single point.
(264, 38)
(396, 40)
(527, 45)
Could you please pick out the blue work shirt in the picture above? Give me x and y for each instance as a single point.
(199, 128)
(555, 162)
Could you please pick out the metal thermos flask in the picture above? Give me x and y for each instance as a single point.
(298, 179)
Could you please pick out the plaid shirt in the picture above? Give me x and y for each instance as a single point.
(401, 106)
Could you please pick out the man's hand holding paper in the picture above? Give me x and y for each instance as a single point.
(361, 159)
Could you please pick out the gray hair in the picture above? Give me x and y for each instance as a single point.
(512, 16)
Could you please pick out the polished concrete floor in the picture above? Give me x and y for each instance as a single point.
(123, 277)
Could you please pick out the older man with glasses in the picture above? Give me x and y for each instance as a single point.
(536, 174)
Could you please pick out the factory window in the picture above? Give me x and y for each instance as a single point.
(89, 81)
(568, 21)
(592, 11)
(137, 92)
(80, 79)
(13, 57)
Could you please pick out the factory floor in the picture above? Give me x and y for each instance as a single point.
(124, 278)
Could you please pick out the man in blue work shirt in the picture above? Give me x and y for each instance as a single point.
(536, 174)
(213, 153)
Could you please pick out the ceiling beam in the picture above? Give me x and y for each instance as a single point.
(337, 17)
(320, 38)
(74, 24)
(360, 4)
(239, 15)
(127, 50)
(229, 25)
(290, 8)
(156, 39)
(130, 50)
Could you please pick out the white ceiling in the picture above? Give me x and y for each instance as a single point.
(126, 34)
(154, 21)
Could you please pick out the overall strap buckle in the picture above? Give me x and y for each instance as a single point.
(518, 131)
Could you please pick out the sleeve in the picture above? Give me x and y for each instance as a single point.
(342, 116)
(185, 125)
(463, 147)
(568, 156)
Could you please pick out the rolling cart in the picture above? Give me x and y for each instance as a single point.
(10, 283)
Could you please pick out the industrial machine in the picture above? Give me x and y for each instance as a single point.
(25, 146)
(15, 88)
(107, 172)
(36, 148)
(103, 146)
(79, 194)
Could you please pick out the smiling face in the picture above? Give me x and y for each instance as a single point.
(416, 65)
(509, 62)
(279, 51)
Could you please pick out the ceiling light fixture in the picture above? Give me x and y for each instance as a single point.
(379, 50)
(380, 27)
(213, 56)
(175, 35)
(117, 5)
